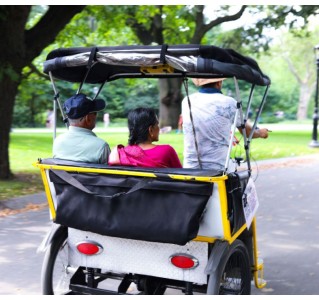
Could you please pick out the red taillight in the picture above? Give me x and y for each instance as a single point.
(89, 248)
(184, 261)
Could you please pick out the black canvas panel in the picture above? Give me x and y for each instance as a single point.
(235, 186)
(163, 211)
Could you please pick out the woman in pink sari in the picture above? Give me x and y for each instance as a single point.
(141, 152)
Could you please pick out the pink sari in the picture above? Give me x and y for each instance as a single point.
(135, 156)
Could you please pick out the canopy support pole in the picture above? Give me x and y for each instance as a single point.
(239, 113)
(243, 125)
(90, 64)
(230, 146)
(192, 121)
(57, 101)
(99, 90)
(249, 102)
(261, 106)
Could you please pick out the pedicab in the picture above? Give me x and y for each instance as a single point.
(132, 230)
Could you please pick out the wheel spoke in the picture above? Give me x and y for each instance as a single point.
(233, 276)
(233, 279)
(61, 277)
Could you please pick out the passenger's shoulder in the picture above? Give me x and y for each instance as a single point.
(167, 147)
(230, 99)
(59, 138)
(101, 141)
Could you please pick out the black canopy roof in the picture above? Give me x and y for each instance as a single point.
(110, 63)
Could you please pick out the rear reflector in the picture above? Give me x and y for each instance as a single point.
(89, 247)
(184, 261)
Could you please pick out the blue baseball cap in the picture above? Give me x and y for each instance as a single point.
(80, 105)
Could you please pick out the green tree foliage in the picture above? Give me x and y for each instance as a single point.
(123, 25)
(267, 18)
(291, 65)
(125, 94)
(96, 25)
(142, 94)
(133, 24)
(32, 101)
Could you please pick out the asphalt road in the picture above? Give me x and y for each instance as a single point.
(287, 225)
(20, 265)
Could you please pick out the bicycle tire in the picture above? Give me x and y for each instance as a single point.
(232, 275)
(52, 261)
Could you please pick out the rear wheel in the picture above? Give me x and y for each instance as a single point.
(56, 271)
(232, 276)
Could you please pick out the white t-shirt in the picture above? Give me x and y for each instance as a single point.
(213, 116)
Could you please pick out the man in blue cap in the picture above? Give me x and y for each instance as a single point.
(80, 143)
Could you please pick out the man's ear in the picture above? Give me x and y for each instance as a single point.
(91, 116)
(219, 84)
(87, 120)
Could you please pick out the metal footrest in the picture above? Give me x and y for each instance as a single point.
(259, 274)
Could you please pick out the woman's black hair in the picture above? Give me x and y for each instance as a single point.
(139, 121)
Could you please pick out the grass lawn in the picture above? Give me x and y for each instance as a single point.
(25, 148)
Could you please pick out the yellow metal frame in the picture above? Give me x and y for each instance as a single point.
(48, 193)
(159, 69)
(220, 181)
(258, 267)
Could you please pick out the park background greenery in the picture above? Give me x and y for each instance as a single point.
(26, 146)
(285, 54)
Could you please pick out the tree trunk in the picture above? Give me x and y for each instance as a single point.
(11, 63)
(170, 101)
(18, 48)
(304, 98)
(8, 89)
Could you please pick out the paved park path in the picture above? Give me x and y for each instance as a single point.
(287, 226)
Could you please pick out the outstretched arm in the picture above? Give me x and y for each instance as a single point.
(259, 133)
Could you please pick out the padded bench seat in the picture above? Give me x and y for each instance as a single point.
(157, 171)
